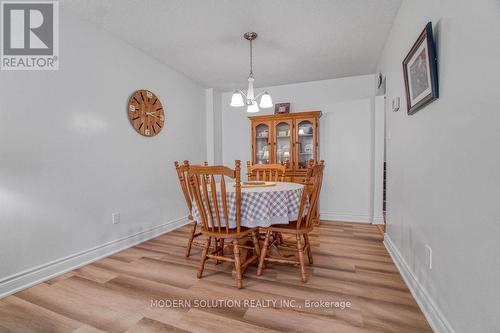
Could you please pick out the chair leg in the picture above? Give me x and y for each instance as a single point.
(216, 246)
(204, 257)
(300, 249)
(237, 264)
(256, 244)
(222, 240)
(277, 238)
(309, 251)
(280, 238)
(263, 253)
(219, 243)
(190, 240)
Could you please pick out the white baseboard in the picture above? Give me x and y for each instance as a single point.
(378, 220)
(431, 311)
(30, 277)
(333, 216)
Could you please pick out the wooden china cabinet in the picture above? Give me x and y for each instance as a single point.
(292, 137)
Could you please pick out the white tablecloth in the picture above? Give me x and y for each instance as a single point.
(260, 206)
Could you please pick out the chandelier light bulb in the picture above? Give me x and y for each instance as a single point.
(266, 101)
(252, 108)
(237, 99)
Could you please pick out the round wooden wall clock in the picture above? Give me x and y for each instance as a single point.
(145, 112)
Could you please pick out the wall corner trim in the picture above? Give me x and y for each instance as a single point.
(378, 220)
(431, 311)
(19, 281)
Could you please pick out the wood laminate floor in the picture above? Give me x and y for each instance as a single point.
(118, 293)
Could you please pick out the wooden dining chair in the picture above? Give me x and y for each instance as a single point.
(211, 198)
(182, 173)
(299, 228)
(267, 172)
(309, 172)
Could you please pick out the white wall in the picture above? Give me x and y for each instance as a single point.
(345, 139)
(210, 124)
(69, 156)
(378, 159)
(217, 127)
(214, 123)
(443, 164)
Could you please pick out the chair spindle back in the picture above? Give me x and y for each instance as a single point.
(211, 197)
(266, 172)
(310, 195)
(182, 173)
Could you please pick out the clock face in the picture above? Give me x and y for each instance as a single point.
(145, 112)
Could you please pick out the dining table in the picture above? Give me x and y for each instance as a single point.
(261, 205)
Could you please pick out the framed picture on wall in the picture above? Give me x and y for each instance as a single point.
(420, 72)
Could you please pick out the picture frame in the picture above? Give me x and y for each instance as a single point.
(420, 72)
(281, 108)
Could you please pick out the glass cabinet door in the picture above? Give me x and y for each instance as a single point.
(261, 144)
(305, 143)
(283, 141)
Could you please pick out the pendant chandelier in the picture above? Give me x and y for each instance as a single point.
(249, 99)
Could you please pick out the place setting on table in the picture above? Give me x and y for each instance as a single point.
(243, 222)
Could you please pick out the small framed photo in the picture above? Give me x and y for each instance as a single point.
(420, 72)
(281, 108)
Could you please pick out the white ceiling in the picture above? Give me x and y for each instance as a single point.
(298, 40)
